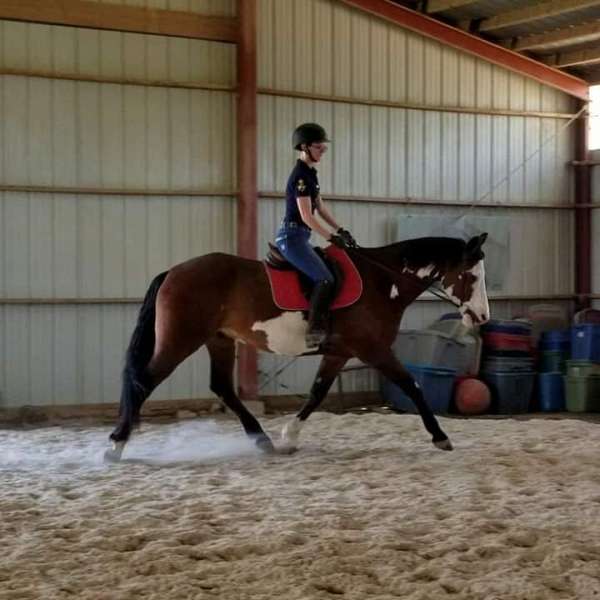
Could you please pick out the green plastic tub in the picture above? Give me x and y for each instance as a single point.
(582, 368)
(583, 393)
(552, 361)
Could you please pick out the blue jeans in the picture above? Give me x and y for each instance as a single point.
(293, 242)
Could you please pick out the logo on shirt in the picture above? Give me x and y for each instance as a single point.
(300, 186)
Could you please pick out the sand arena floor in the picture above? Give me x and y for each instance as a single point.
(367, 509)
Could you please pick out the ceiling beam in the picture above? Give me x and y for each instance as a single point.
(520, 16)
(83, 13)
(434, 6)
(576, 58)
(565, 36)
(451, 36)
(593, 78)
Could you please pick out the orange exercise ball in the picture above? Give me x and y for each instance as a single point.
(472, 397)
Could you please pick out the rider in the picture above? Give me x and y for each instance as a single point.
(303, 203)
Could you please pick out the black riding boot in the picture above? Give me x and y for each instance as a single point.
(320, 300)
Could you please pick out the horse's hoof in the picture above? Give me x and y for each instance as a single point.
(264, 443)
(443, 444)
(113, 455)
(287, 450)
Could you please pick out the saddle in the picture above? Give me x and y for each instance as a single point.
(291, 288)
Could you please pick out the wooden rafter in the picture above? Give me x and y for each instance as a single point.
(593, 77)
(565, 36)
(519, 16)
(83, 13)
(435, 6)
(576, 58)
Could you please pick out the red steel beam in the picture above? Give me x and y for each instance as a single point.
(247, 170)
(583, 215)
(424, 25)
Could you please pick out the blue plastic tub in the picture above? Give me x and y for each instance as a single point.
(511, 327)
(585, 342)
(558, 340)
(551, 391)
(437, 384)
(511, 391)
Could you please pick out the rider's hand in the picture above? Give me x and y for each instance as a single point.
(339, 241)
(347, 237)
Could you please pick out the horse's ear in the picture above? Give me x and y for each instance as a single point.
(475, 243)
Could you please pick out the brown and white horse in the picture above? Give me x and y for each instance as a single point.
(216, 299)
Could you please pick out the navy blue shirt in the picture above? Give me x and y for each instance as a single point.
(302, 181)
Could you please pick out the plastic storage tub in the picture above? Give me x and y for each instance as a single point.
(502, 363)
(556, 340)
(583, 393)
(551, 392)
(436, 384)
(582, 368)
(436, 349)
(553, 360)
(511, 391)
(509, 327)
(585, 342)
(506, 342)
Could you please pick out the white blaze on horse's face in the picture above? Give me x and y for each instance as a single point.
(475, 309)
(285, 333)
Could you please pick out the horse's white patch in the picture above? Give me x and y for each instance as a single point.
(285, 333)
(449, 291)
(394, 292)
(291, 432)
(425, 271)
(478, 303)
(422, 272)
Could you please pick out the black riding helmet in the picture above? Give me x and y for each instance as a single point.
(308, 133)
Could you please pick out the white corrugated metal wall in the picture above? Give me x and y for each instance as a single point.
(70, 263)
(325, 48)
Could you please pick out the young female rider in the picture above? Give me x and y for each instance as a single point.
(303, 205)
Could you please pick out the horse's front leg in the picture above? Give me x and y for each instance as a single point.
(390, 367)
(328, 370)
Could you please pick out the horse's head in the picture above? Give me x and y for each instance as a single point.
(464, 283)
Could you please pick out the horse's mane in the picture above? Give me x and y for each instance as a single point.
(420, 252)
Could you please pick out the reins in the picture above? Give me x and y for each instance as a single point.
(426, 283)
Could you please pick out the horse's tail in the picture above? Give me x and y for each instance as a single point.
(135, 386)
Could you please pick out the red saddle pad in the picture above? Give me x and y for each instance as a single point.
(287, 294)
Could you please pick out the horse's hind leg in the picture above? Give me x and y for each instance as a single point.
(328, 370)
(387, 364)
(135, 391)
(222, 360)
